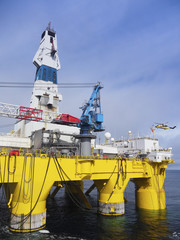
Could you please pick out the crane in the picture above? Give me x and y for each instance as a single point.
(92, 117)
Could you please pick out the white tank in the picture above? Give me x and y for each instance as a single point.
(107, 135)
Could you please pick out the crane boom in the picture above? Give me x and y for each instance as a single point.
(8, 110)
(92, 118)
(26, 113)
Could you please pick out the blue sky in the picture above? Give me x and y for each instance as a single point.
(132, 47)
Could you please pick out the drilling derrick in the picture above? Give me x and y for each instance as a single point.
(45, 92)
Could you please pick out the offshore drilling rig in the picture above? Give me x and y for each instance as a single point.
(50, 149)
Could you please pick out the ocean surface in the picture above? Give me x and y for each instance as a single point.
(66, 221)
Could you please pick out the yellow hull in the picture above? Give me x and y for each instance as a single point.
(28, 179)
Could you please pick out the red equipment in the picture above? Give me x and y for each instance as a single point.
(14, 153)
(27, 113)
(67, 119)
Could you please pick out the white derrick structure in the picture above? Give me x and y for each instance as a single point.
(48, 44)
(45, 94)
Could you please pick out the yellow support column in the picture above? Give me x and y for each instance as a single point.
(27, 201)
(149, 192)
(27, 216)
(111, 195)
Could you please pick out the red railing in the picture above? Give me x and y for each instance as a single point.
(27, 113)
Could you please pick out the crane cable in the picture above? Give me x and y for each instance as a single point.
(62, 173)
(120, 171)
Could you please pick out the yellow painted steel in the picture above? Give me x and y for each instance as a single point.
(150, 193)
(28, 179)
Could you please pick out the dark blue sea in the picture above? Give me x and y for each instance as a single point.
(66, 221)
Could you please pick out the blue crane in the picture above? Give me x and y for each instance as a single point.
(92, 118)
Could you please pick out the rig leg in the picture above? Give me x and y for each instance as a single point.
(28, 209)
(111, 196)
(27, 199)
(150, 193)
(150, 199)
(29, 222)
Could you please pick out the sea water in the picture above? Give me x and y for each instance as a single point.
(67, 221)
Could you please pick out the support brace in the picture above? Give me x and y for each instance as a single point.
(76, 188)
(53, 194)
(90, 189)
